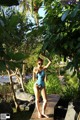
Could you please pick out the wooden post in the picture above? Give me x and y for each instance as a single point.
(14, 97)
(11, 83)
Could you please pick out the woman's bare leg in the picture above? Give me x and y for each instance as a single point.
(43, 93)
(37, 97)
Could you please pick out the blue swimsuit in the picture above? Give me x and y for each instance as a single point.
(40, 80)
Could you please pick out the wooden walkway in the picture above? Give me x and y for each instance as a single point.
(52, 101)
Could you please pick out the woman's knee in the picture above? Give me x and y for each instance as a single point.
(37, 100)
(35, 88)
(45, 101)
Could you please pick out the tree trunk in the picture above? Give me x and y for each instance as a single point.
(21, 81)
(20, 77)
(23, 70)
(11, 83)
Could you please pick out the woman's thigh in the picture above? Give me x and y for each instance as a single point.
(43, 93)
(36, 92)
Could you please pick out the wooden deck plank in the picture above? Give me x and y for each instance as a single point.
(52, 101)
(42, 119)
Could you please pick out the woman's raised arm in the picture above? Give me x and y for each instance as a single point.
(49, 62)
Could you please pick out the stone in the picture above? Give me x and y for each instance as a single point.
(21, 95)
(78, 118)
(71, 113)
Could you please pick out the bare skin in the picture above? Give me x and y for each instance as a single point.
(42, 91)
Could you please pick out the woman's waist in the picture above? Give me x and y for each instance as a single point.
(40, 79)
(40, 82)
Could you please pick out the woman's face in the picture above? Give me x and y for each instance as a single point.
(40, 63)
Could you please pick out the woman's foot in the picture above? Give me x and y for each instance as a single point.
(44, 115)
(39, 115)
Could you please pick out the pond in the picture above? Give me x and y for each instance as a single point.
(5, 78)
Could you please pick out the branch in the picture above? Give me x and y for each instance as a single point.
(13, 61)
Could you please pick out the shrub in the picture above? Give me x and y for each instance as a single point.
(29, 86)
(70, 90)
(52, 85)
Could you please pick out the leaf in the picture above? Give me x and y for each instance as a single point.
(1, 23)
(78, 46)
(74, 73)
(74, 12)
(69, 65)
(16, 56)
(2, 65)
(13, 21)
(65, 14)
(19, 56)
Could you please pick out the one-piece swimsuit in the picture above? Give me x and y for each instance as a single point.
(40, 79)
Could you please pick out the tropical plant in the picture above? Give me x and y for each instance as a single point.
(61, 35)
(13, 29)
(31, 7)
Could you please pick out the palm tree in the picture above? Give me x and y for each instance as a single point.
(31, 6)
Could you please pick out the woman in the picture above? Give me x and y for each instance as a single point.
(39, 86)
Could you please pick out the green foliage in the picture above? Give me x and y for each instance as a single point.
(13, 31)
(58, 34)
(62, 30)
(72, 81)
(29, 86)
(70, 90)
(53, 85)
(18, 56)
(61, 36)
(20, 40)
(6, 92)
(2, 65)
(64, 15)
(33, 54)
(5, 89)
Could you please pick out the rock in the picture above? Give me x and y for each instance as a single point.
(21, 95)
(16, 86)
(24, 107)
(77, 108)
(61, 109)
(71, 113)
(31, 106)
(78, 118)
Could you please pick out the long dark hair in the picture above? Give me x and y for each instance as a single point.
(40, 59)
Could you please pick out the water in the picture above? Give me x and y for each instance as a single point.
(5, 78)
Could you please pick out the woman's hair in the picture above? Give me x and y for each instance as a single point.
(39, 59)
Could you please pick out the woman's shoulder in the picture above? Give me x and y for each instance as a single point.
(35, 69)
